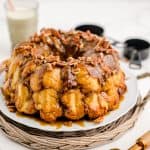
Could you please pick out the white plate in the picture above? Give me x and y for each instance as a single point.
(129, 101)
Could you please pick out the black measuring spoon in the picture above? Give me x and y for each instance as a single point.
(95, 29)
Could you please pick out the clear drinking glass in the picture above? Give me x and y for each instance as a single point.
(22, 19)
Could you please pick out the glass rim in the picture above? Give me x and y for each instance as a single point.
(35, 6)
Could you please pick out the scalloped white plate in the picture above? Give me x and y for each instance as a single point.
(129, 101)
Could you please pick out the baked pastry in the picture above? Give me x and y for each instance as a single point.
(64, 74)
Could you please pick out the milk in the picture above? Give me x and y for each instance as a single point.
(22, 23)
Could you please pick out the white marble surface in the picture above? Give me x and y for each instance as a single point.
(121, 18)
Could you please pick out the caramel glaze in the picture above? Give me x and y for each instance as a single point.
(59, 123)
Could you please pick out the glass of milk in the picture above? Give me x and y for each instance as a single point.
(22, 18)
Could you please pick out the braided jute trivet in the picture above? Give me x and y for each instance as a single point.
(36, 139)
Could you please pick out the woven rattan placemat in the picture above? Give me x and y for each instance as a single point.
(36, 139)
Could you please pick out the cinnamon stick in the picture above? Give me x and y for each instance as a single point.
(142, 143)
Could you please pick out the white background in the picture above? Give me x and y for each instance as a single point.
(120, 18)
